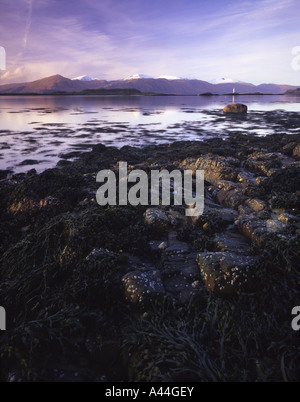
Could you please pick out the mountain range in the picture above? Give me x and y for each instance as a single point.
(162, 85)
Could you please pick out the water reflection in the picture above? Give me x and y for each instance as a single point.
(37, 131)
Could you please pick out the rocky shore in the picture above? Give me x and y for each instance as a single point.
(124, 293)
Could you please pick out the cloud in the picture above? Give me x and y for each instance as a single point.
(28, 22)
(13, 75)
(110, 39)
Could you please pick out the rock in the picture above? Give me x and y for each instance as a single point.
(226, 273)
(255, 204)
(4, 174)
(261, 180)
(175, 246)
(179, 272)
(233, 241)
(288, 148)
(296, 151)
(230, 195)
(142, 287)
(162, 245)
(246, 177)
(258, 230)
(264, 214)
(285, 202)
(156, 245)
(244, 210)
(180, 264)
(287, 218)
(176, 284)
(227, 215)
(235, 108)
(280, 168)
(216, 168)
(98, 254)
(159, 219)
(275, 226)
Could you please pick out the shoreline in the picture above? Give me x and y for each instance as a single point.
(41, 145)
(111, 93)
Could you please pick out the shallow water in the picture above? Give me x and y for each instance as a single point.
(38, 131)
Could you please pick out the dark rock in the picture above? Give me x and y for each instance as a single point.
(4, 174)
(226, 273)
(246, 177)
(175, 246)
(243, 209)
(231, 240)
(288, 148)
(159, 219)
(296, 151)
(235, 108)
(258, 230)
(230, 194)
(29, 162)
(141, 288)
(216, 168)
(31, 172)
(288, 218)
(264, 214)
(255, 204)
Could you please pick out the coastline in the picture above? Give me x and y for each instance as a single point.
(144, 293)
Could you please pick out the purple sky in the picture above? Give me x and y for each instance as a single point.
(250, 41)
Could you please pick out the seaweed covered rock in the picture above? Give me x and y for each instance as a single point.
(159, 220)
(230, 194)
(235, 108)
(216, 168)
(258, 230)
(141, 288)
(226, 273)
(296, 151)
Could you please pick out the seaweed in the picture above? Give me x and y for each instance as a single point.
(63, 258)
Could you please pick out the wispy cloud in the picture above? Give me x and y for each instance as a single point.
(250, 40)
(28, 22)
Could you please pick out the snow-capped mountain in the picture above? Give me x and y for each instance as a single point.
(84, 78)
(140, 76)
(169, 77)
(58, 83)
(137, 77)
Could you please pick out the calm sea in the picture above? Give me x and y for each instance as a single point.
(38, 131)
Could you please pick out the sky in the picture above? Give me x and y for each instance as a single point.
(255, 41)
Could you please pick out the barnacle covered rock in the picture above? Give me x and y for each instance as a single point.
(142, 287)
(226, 273)
(159, 219)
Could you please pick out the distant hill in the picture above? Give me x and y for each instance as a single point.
(103, 91)
(293, 92)
(58, 83)
(51, 84)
